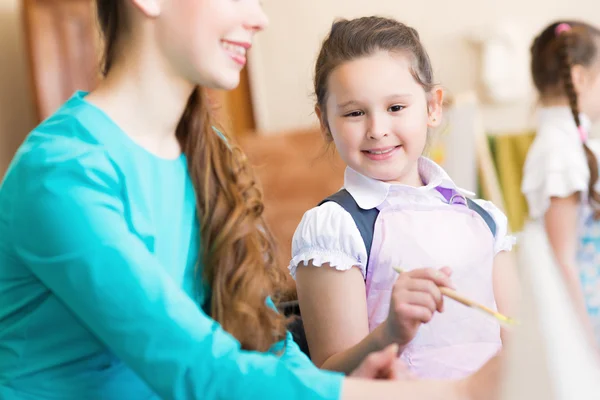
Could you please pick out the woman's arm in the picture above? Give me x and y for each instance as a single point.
(483, 385)
(70, 230)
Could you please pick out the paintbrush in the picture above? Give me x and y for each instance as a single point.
(503, 319)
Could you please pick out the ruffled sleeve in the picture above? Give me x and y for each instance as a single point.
(328, 235)
(502, 241)
(555, 167)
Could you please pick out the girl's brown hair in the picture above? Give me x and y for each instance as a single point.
(237, 249)
(352, 39)
(553, 54)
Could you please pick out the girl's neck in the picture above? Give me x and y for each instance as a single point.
(146, 99)
(554, 101)
(411, 177)
(563, 102)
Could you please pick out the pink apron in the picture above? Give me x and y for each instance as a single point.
(460, 340)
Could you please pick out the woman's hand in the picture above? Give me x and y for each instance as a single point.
(383, 364)
(416, 296)
(484, 384)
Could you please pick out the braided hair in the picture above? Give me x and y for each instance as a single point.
(554, 52)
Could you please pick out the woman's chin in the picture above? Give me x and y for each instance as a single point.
(226, 80)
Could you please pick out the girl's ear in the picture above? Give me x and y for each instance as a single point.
(580, 76)
(435, 107)
(323, 123)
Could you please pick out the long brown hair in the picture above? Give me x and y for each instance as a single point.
(553, 55)
(237, 249)
(352, 39)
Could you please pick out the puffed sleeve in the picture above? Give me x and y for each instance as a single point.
(328, 235)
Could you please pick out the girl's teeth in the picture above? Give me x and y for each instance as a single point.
(381, 152)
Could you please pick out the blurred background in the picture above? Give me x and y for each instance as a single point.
(479, 50)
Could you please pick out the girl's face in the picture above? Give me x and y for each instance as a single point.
(204, 41)
(378, 116)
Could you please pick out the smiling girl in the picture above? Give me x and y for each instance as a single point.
(377, 102)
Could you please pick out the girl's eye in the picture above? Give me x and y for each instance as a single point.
(396, 108)
(355, 114)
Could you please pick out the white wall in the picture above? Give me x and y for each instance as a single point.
(283, 56)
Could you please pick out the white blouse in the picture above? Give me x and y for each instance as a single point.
(328, 234)
(556, 165)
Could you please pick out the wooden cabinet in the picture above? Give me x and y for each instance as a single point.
(64, 53)
(62, 48)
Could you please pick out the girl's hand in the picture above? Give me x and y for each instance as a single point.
(416, 296)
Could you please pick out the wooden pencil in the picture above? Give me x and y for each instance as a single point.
(470, 303)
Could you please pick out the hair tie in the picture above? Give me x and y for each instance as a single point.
(221, 135)
(560, 28)
(582, 133)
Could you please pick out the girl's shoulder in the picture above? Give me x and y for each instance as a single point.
(556, 166)
(327, 234)
(503, 240)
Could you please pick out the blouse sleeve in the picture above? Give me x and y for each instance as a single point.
(555, 167)
(328, 235)
(502, 241)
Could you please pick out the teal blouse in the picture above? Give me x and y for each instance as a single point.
(98, 245)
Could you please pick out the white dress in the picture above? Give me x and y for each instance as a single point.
(556, 166)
